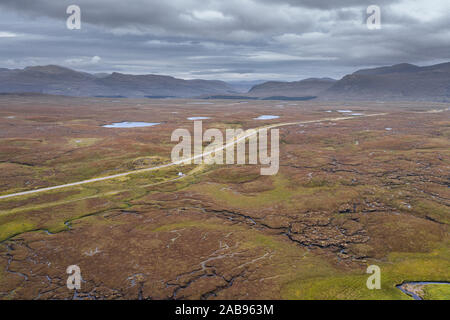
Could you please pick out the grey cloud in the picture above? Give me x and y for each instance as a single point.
(242, 39)
(326, 4)
(196, 18)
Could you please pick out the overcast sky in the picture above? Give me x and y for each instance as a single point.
(226, 39)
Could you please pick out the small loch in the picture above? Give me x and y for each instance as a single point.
(126, 124)
(198, 118)
(266, 117)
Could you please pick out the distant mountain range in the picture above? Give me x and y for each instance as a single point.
(303, 88)
(398, 82)
(405, 82)
(63, 81)
(243, 86)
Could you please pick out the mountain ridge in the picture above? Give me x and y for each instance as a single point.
(52, 79)
(406, 82)
(399, 82)
(306, 87)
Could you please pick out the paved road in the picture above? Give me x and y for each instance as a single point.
(245, 135)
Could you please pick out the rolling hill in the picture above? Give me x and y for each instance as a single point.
(63, 81)
(303, 88)
(401, 82)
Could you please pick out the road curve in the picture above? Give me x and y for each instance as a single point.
(236, 140)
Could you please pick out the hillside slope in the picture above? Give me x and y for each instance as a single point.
(63, 81)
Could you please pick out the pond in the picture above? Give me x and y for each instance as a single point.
(415, 289)
(198, 118)
(266, 117)
(126, 124)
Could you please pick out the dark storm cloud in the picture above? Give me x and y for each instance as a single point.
(326, 4)
(226, 39)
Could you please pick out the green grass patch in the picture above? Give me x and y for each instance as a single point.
(400, 267)
(83, 142)
(436, 292)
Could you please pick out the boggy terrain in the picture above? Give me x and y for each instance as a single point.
(349, 194)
